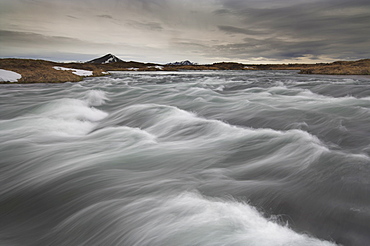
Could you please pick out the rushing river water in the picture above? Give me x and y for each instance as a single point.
(228, 158)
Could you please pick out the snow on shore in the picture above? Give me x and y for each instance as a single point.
(9, 76)
(78, 72)
(156, 67)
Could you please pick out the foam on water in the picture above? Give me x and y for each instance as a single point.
(185, 219)
(67, 117)
(95, 97)
(172, 123)
(205, 158)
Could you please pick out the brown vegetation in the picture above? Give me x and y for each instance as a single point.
(40, 71)
(119, 66)
(358, 67)
(361, 67)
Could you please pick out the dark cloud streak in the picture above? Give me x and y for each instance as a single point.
(105, 16)
(22, 43)
(153, 26)
(231, 29)
(16, 38)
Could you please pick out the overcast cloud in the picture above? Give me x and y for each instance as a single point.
(250, 31)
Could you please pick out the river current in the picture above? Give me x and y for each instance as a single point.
(209, 158)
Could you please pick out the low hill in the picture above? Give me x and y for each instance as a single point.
(361, 67)
(41, 71)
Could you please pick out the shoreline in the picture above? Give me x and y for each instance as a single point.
(42, 71)
(350, 76)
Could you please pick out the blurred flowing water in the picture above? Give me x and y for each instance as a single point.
(186, 158)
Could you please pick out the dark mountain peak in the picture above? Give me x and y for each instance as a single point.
(109, 58)
(182, 63)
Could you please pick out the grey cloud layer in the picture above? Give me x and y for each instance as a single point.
(338, 29)
(208, 30)
(21, 44)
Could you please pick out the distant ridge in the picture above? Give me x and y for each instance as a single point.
(109, 58)
(182, 63)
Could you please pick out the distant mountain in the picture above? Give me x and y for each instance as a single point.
(109, 58)
(182, 63)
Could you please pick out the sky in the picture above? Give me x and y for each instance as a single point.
(203, 31)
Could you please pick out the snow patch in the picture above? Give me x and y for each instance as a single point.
(156, 67)
(78, 72)
(109, 60)
(9, 76)
(182, 63)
